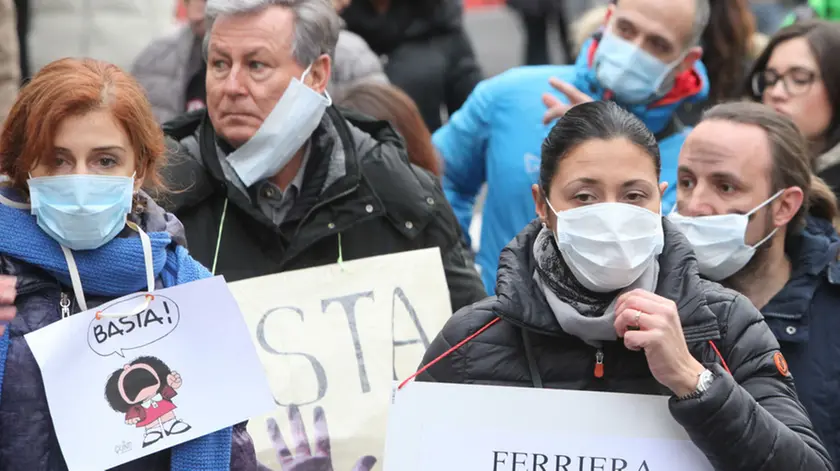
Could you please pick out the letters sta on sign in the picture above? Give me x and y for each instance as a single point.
(348, 306)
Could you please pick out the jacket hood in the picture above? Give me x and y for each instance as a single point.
(522, 302)
(815, 250)
(153, 218)
(691, 86)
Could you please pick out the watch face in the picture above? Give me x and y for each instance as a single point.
(706, 379)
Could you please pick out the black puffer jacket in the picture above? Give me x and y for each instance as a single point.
(751, 423)
(358, 191)
(427, 51)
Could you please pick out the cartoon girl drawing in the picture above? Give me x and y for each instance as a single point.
(143, 391)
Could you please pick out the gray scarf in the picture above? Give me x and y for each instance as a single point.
(580, 312)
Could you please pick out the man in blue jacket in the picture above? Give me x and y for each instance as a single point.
(646, 59)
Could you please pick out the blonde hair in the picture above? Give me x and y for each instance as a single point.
(587, 25)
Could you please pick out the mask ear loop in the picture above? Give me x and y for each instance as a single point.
(773, 232)
(326, 93)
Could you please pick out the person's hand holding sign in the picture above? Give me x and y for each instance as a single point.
(304, 459)
(651, 323)
(556, 108)
(8, 292)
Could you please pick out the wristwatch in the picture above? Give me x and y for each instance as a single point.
(704, 381)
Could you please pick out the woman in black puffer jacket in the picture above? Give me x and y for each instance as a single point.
(602, 294)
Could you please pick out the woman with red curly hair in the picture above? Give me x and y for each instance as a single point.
(79, 144)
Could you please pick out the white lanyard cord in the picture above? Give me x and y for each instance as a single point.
(76, 280)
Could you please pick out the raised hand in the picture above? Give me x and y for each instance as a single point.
(651, 323)
(556, 108)
(303, 458)
(174, 380)
(8, 292)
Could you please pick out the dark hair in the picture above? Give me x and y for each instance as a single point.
(112, 386)
(594, 120)
(789, 150)
(389, 103)
(726, 46)
(823, 38)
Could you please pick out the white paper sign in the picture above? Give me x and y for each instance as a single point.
(492, 428)
(120, 388)
(332, 340)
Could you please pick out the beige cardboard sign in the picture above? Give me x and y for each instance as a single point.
(332, 340)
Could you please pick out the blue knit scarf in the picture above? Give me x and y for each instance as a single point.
(116, 269)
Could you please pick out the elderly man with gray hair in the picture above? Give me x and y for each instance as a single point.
(173, 71)
(273, 178)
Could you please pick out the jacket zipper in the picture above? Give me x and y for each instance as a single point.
(599, 363)
(65, 305)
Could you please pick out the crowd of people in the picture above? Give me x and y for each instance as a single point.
(660, 217)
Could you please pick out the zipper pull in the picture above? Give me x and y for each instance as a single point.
(599, 364)
(65, 305)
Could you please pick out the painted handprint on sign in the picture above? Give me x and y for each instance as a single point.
(304, 457)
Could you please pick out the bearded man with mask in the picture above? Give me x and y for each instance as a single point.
(760, 222)
(273, 178)
(646, 60)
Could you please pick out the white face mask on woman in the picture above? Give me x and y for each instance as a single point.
(608, 246)
(718, 240)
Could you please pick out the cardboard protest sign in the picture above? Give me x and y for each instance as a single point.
(332, 340)
(494, 428)
(147, 372)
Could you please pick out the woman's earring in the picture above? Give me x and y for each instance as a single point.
(544, 224)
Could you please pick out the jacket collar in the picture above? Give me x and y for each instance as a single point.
(813, 254)
(521, 302)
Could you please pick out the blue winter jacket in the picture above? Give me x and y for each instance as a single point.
(495, 138)
(805, 317)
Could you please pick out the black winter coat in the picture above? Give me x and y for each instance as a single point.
(752, 422)
(381, 205)
(427, 51)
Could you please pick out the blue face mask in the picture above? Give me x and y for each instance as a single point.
(633, 75)
(81, 212)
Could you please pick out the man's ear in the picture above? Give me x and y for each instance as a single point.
(787, 205)
(319, 74)
(694, 54)
(662, 187)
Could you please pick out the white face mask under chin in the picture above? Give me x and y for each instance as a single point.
(282, 134)
(608, 246)
(718, 240)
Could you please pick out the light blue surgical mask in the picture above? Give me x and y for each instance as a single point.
(282, 134)
(631, 73)
(81, 212)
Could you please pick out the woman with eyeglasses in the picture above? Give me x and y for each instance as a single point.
(799, 76)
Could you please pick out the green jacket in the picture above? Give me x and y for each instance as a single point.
(815, 9)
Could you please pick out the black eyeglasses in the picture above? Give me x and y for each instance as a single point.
(797, 80)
